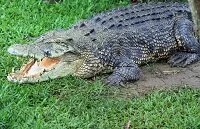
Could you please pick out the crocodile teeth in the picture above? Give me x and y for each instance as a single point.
(34, 68)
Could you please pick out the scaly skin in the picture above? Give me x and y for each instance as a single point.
(119, 40)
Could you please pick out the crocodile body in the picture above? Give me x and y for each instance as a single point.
(120, 40)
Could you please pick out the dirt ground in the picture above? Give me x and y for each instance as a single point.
(160, 76)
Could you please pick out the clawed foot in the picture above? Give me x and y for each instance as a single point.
(182, 59)
(114, 81)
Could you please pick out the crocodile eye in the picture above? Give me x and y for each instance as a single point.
(47, 53)
(69, 40)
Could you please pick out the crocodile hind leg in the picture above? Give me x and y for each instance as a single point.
(182, 59)
(125, 70)
(189, 47)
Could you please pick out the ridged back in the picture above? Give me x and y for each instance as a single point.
(134, 16)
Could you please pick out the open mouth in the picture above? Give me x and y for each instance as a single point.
(34, 68)
(46, 68)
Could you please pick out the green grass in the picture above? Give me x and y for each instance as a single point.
(71, 102)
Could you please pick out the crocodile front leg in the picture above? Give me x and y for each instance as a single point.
(125, 70)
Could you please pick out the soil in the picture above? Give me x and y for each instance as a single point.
(160, 76)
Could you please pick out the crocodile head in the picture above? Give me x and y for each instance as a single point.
(51, 55)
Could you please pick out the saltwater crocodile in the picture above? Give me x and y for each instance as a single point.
(115, 41)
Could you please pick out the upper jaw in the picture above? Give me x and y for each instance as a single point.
(26, 50)
(40, 50)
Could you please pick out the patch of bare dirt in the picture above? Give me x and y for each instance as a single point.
(160, 76)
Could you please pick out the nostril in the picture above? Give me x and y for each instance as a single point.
(47, 53)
